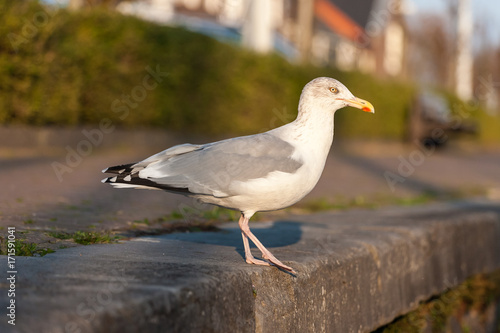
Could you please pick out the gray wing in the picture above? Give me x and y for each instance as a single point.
(211, 168)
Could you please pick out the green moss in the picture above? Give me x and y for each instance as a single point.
(476, 293)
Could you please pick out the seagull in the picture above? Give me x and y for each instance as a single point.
(261, 172)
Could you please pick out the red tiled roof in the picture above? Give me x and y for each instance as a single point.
(337, 20)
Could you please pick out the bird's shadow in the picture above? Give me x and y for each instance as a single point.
(272, 235)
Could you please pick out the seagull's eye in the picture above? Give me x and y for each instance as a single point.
(334, 90)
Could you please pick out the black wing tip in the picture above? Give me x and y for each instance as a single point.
(109, 180)
(118, 169)
(135, 180)
(123, 176)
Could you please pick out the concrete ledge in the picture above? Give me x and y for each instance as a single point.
(357, 270)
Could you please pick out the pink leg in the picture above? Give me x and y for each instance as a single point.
(266, 254)
(248, 254)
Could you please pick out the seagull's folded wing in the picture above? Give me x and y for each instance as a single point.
(211, 169)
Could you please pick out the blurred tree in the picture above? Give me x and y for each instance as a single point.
(432, 51)
(487, 78)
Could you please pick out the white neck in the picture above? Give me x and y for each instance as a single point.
(313, 129)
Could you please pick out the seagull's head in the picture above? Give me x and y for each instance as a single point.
(330, 94)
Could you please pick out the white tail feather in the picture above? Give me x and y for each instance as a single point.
(122, 185)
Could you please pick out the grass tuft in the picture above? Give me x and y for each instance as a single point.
(85, 237)
(25, 249)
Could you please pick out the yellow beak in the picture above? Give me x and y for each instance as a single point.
(360, 104)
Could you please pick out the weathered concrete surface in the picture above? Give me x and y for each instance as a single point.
(357, 270)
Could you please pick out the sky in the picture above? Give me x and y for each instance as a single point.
(484, 12)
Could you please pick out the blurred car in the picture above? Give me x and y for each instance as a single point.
(431, 121)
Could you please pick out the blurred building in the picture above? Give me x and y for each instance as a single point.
(365, 35)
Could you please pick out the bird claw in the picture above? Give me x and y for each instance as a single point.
(284, 267)
(273, 261)
(254, 261)
(278, 263)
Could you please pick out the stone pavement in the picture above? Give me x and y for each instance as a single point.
(357, 270)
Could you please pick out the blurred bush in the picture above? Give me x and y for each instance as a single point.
(488, 123)
(68, 68)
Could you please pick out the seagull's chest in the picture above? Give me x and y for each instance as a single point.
(275, 191)
(314, 163)
(282, 189)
